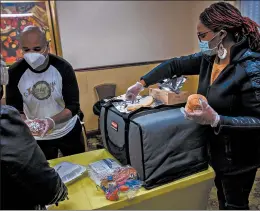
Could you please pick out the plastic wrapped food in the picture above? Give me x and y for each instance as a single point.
(123, 174)
(35, 126)
(173, 84)
(122, 183)
(101, 169)
(115, 181)
(119, 176)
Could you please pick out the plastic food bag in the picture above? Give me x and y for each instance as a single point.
(122, 183)
(173, 84)
(115, 181)
(101, 169)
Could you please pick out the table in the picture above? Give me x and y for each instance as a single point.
(186, 194)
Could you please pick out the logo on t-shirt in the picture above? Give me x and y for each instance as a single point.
(29, 90)
(41, 90)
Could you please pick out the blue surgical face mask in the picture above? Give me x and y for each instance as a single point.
(205, 49)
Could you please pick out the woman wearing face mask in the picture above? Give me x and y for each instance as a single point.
(44, 89)
(229, 76)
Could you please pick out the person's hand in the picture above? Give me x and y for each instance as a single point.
(205, 116)
(40, 127)
(36, 126)
(133, 91)
(49, 125)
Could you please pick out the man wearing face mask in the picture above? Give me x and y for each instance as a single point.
(44, 89)
(27, 180)
(229, 77)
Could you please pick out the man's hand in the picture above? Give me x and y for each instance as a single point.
(36, 126)
(40, 127)
(49, 125)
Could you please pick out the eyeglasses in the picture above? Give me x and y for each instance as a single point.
(202, 35)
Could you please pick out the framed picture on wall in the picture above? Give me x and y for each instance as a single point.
(16, 15)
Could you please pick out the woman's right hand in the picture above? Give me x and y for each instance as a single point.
(133, 91)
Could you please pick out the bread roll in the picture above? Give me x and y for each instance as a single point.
(193, 102)
(144, 102)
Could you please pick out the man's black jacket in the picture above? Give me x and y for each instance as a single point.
(27, 180)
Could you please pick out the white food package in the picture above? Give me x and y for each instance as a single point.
(69, 171)
(101, 169)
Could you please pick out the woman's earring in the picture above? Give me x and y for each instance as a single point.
(222, 52)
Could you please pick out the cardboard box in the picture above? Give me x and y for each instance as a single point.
(168, 97)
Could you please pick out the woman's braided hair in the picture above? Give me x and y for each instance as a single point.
(225, 16)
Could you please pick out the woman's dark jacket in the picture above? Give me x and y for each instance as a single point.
(234, 146)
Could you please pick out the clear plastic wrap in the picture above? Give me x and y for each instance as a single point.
(101, 169)
(114, 180)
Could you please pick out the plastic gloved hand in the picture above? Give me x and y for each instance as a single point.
(133, 91)
(40, 127)
(49, 125)
(36, 126)
(206, 116)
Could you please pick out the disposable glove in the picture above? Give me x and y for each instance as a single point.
(133, 91)
(40, 127)
(204, 116)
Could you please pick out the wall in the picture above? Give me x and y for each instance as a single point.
(97, 33)
(119, 32)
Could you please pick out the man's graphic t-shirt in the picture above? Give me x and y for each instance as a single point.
(41, 94)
